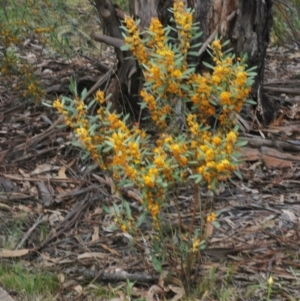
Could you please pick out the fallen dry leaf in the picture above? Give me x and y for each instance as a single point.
(78, 289)
(95, 235)
(92, 255)
(153, 291)
(179, 292)
(43, 168)
(13, 253)
(62, 172)
(209, 230)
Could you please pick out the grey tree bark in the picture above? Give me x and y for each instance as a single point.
(246, 23)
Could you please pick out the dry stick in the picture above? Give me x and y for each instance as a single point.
(35, 139)
(29, 232)
(192, 224)
(212, 36)
(101, 80)
(196, 207)
(71, 218)
(120, 276)
(282, 90)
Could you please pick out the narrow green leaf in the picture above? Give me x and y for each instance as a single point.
(141, 218)
(156, 263)
(106, 209)
(238, 174)
(208, 65)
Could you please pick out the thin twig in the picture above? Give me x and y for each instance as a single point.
(29, 232)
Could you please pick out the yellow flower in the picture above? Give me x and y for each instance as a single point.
(216, 79)
(270, 280)
(175, 148)
(177, 73)
(223, 165)
(216, 141)
(148, 181)
(211, 217)
(231, 137)
(123, 228)
(154, 210)
(155, 71)
(133, 149)
(216, 45)
(159, 161)
(225, 98)
(58, 105)
(196, 243)
(209, 155)
(183, 160)
(100, 97)
(241, 78)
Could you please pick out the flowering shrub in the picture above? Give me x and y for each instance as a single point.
(196, 138)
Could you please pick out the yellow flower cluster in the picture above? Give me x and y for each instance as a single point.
(234, 78)
(200, 91)
(77, 121)
(211, 217)
(134, 40)
(156, 31)
(195, 245)
(42, 30)
(183, 20)
(211, 151)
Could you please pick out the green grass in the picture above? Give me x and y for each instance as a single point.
(286, 25)
(28, 283)
(122, 3)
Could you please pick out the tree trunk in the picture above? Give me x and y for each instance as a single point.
(245, 23)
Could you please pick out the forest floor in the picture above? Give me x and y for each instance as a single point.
(53, 223)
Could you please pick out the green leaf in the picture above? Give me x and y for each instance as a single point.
(251, 69)
(242, 143)
(251, 102)
(106, 209)
(193, 53)
(196, 35)
(227, 51)
(109, 143)
(73, 87)
(116, 209)
(77, 144)
(208, 65)
(214, 184)
(124, 48)
(238, 174)
(251, 74)
(197, 178)
(141, 218)
(127, 208)
(197, 45)
(225, 43)
(47, 104)
(156, 263)
(83, 94)
(216, 224)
